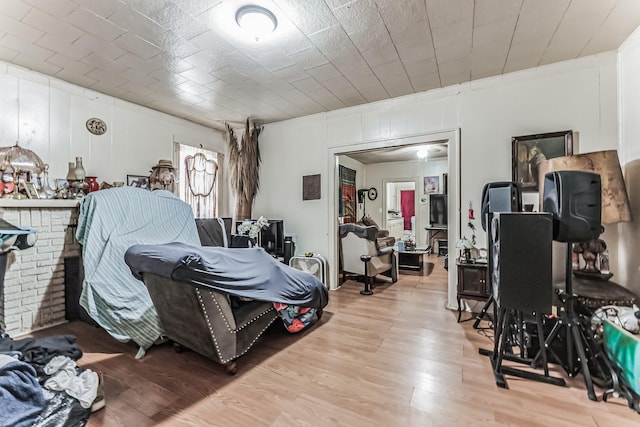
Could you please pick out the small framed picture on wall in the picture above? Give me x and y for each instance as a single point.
(431, 184)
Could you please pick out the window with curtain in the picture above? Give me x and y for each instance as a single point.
(197, 174)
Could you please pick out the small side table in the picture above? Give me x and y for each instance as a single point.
(411, 261)
(472, 284)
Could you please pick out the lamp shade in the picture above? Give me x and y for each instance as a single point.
(20, 160)
(615, 202)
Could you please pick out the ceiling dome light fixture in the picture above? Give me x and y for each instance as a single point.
(423, 153)
(256, 21)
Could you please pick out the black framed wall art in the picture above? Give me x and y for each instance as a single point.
(528, 151)
(311, 187)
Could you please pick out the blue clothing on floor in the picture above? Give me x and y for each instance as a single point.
(21, 398)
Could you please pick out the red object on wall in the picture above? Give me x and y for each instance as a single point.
(407, 206)
(349, 203)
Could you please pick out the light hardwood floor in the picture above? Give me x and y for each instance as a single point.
(396, 358)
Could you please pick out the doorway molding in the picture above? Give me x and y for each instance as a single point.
(452, 138)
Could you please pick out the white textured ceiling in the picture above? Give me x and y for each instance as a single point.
(437, 150)
(187, 57)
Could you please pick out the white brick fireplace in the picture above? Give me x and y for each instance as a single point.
(33, 295)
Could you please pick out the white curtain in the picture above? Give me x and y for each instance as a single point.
(198, 171)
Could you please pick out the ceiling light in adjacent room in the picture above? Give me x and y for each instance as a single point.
(423, 153)
(256, 21)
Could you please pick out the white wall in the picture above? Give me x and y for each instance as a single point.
(48, 116)
(578, 94)
(628, 248)
(301, 150)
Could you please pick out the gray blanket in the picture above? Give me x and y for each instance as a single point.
(245, 272)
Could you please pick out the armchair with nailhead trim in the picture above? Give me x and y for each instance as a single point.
(217, 325)
(214, 324)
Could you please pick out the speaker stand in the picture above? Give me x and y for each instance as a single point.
(504, 322)
(576, 339)
(483, 313)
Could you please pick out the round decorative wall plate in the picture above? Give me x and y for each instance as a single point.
(96, 126)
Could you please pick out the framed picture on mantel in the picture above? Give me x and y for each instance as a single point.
(527, 152)
(139, 181)
(31, 191)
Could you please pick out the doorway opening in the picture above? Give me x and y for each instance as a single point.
(399, 208)
(406, 170)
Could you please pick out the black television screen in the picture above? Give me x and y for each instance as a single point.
(438, 210)
(272, 237)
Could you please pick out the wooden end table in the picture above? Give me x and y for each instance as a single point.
(472, 284)
(411, 261)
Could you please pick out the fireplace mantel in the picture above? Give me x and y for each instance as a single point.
(38, 203)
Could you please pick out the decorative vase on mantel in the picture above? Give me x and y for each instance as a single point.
(71, 174)
(79, 171)
(46, 192)
(75, 178)
(92, 182)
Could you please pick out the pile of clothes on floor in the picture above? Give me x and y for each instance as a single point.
(618, 329)
(41, 385)
(628, 318)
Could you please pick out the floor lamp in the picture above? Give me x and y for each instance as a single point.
(614, 207)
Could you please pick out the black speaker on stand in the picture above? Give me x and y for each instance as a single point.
(520, 272)
(503, 196)
(574, 200)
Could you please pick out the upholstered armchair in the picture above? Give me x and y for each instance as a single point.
(362, 255)
(384, 239)
(211, 323)
(215, 324)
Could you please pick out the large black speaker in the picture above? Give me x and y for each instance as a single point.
(574, 199)
(520, 261)
(500, 197)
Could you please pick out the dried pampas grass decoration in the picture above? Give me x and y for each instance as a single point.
(244, 168)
